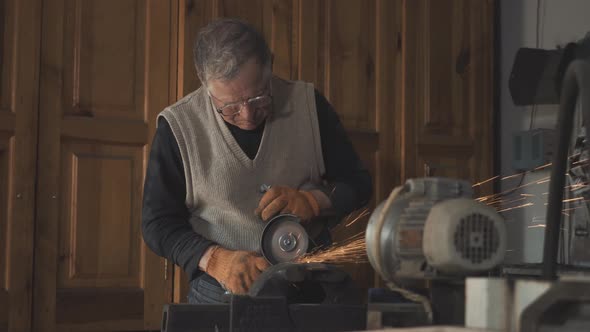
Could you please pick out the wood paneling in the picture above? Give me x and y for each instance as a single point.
(105, 130)
(104, 70)
(349, 61)
(4, 314)
(448, 105)
(410, 80)
(6, 29)
(193, 16)
(7, 121)
(88, 306)
(341, 51)
(106, 74)
(19, 59)
(283, 37)
(389, 117)
(5, 216)
(312, 38)
(102, 196)
(444, 164)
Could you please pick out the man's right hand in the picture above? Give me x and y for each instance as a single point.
(235, 270)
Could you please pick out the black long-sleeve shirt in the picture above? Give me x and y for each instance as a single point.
(165, 217)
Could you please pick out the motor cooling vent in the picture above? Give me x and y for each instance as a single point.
(463, 236)
(476, 238)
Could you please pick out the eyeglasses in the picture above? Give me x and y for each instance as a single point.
(235, 108)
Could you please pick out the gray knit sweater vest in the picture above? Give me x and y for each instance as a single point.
(222, 183)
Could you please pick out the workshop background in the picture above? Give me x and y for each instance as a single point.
(83, 81)
(545, 24)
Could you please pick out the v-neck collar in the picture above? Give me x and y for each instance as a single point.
(249, 140)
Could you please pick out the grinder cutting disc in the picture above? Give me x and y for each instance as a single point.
(284, 239)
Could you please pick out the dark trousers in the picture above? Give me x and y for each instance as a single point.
(206, 290)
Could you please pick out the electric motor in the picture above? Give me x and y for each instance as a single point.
(432, 227)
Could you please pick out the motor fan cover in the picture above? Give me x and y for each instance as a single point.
(462, 235)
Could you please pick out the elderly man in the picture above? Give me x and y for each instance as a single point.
(214, 148)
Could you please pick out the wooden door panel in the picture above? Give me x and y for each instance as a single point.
(251, 11)
(312, 33)
(193, 15)
(389, 120)
(106, 75)
(6, 153)
(446, 65)
(479, 18)
(281, 31)
(102, 191)
(446, 164)
(350, 61)
(99, 309)
(342, 52)
(19, 59)
(6, 29)
(104, 66)
(448, 87)
(338, 56)
(7, 120)
(454, 163)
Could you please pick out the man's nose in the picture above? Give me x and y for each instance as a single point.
(247, 111)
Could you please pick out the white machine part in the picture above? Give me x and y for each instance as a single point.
(431, 227)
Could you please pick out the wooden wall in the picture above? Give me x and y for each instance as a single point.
(19, 70)
(82, 82)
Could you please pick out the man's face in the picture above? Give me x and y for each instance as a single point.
(249, 83)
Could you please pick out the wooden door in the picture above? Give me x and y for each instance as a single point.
(448, 89)
(106, 72)
(19, 69)
(349, 50)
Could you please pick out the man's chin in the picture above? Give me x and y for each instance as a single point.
(248, 125)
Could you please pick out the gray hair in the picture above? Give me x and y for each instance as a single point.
(224, 45)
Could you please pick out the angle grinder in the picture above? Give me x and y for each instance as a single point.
(284, 239)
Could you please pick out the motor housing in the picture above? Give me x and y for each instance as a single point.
(432, 227)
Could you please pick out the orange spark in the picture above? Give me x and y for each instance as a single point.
(485, 181)
(516, 207)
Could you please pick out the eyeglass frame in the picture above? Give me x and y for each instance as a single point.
(242, 103)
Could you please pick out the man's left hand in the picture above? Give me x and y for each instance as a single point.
(277, 200)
